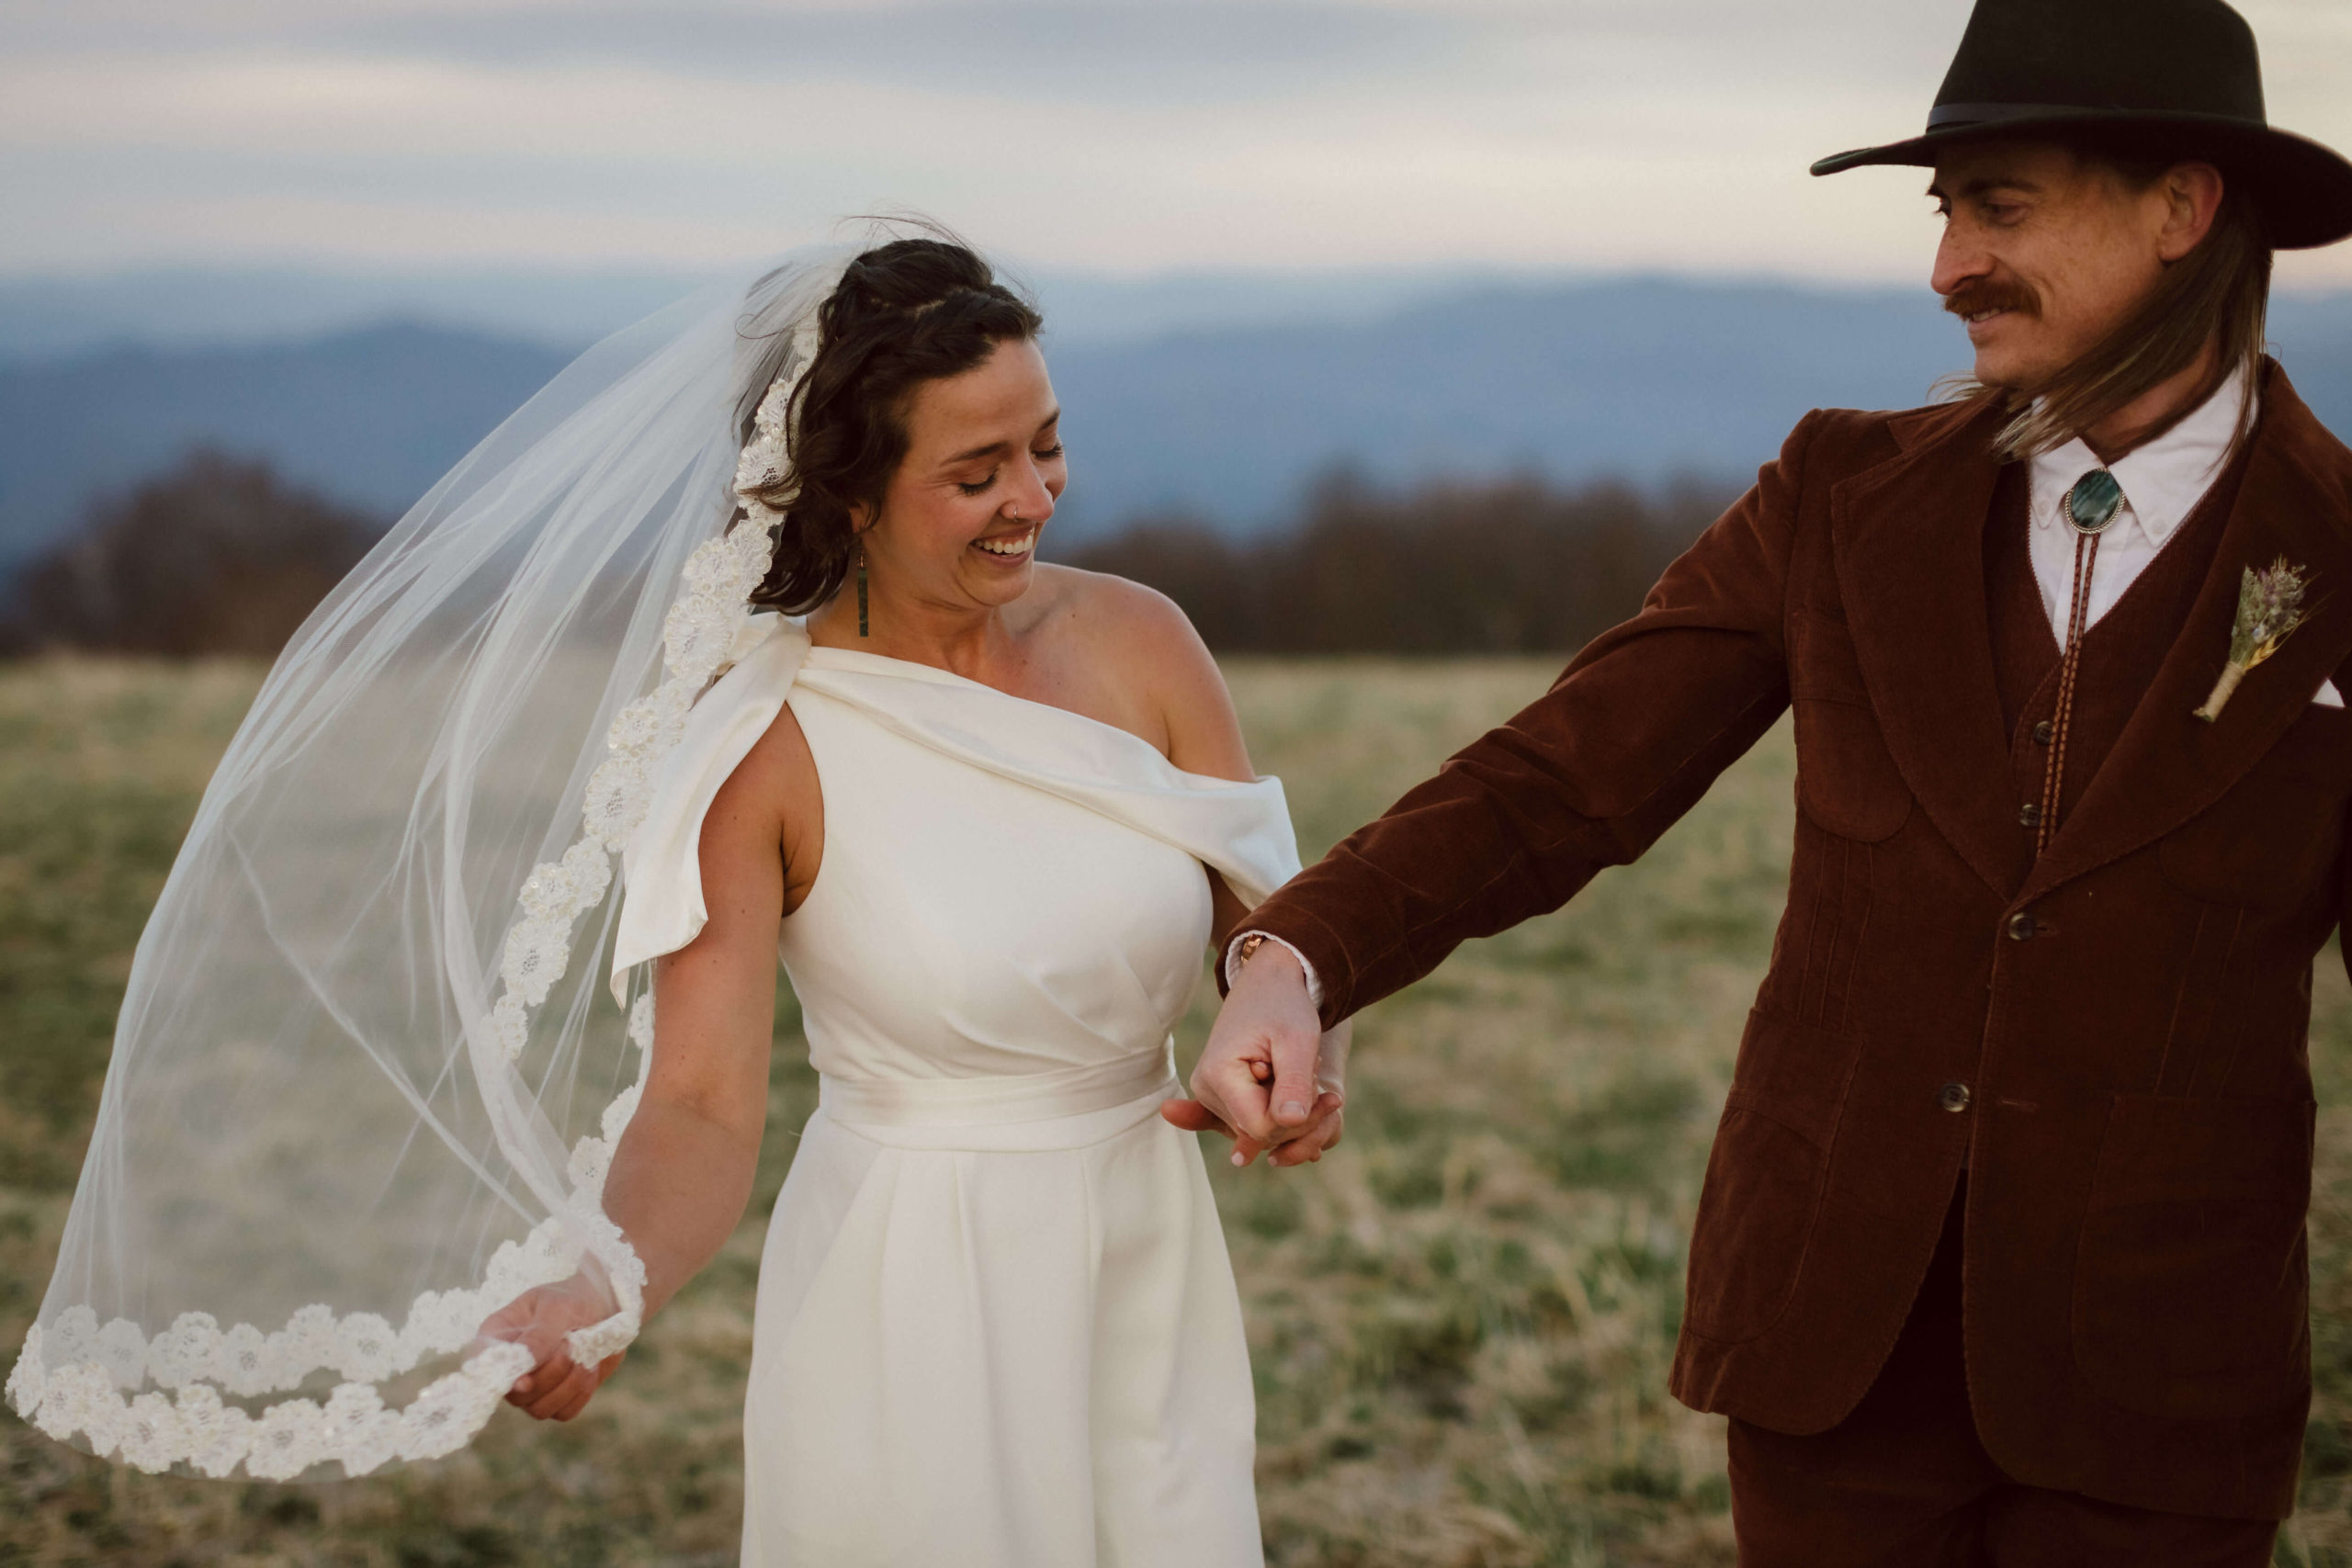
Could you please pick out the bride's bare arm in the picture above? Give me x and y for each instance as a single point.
(683, 1173)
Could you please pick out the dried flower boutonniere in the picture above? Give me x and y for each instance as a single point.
(2271, 606)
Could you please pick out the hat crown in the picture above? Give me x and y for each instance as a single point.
(2192, 57)
(2176, 79)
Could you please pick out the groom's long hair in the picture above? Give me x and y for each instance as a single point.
(2218, 293)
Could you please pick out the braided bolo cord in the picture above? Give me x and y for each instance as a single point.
(2054, 775)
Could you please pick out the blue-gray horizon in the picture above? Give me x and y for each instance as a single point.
(1110, 138)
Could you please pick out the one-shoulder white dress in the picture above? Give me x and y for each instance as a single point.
(997, 1326)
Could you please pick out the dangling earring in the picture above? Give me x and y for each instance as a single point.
(861, 591)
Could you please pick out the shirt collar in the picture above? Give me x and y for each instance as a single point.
(2163, 480)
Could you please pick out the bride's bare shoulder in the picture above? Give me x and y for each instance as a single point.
(1112, 616)
(1145, 644)
(1115, 624)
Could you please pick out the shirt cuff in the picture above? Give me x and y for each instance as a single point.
(1233, 965)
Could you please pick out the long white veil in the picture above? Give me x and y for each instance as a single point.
(366, 1080)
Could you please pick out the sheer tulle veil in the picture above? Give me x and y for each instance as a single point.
(367, 1080)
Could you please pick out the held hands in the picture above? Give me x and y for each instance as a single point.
(1265, 1078)
(556, 1388)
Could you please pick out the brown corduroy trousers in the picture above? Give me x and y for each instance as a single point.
(1904, 1482)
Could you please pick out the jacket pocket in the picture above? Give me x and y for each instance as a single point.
(1765, 1176)
(1847, 781)
(2191, 1281)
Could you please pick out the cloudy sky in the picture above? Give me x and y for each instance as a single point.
(1104, 136)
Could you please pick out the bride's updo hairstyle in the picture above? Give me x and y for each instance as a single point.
(907, 313)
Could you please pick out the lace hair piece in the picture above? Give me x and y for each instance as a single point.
(314, 1093)
(765, 466)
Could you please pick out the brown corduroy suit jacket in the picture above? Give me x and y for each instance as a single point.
(2127, 1013)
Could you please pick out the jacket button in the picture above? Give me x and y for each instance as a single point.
(2043, 734)
(1953, 1096)
(2030, 814)
(2021, 927)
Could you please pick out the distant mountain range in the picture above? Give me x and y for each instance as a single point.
(371, 417)
(50, 318)
(1638, 379)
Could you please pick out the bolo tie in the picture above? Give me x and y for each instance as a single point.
(2090, 507)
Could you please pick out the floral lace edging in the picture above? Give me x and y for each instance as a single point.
(154, 1432)
(706, 630)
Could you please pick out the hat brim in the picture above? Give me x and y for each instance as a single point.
(2303, 190)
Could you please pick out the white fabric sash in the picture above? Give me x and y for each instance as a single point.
(996, 1102)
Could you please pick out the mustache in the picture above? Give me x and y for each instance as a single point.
(1992, 294)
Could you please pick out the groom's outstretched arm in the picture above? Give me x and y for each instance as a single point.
(1588, 776)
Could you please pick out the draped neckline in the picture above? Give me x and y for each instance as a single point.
(822, 656)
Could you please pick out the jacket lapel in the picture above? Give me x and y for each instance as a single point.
(2168, 765)
(1909, 541)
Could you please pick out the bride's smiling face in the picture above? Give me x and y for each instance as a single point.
(959, 521)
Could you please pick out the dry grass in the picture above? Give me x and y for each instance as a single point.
(1461, 1320)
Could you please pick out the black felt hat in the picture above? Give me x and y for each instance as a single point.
(2180, 78)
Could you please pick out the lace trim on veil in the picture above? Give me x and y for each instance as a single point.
(709, 626)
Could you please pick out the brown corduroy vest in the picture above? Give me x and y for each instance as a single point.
(2121, 653)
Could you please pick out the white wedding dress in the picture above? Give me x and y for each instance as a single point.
(997, 1326)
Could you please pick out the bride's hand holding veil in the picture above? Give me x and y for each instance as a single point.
(556, 1388)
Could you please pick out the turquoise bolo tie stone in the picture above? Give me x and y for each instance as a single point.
(2093, 501)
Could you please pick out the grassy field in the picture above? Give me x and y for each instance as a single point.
(1461, 1320)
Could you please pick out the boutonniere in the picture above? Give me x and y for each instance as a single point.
(2271, 606)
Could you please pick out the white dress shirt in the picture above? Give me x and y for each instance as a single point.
(2162, 482)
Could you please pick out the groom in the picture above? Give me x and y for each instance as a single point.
(2000, 1254)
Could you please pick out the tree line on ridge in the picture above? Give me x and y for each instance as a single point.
(218, 556)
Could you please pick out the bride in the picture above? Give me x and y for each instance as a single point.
(992, 813)
(996, 1322)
